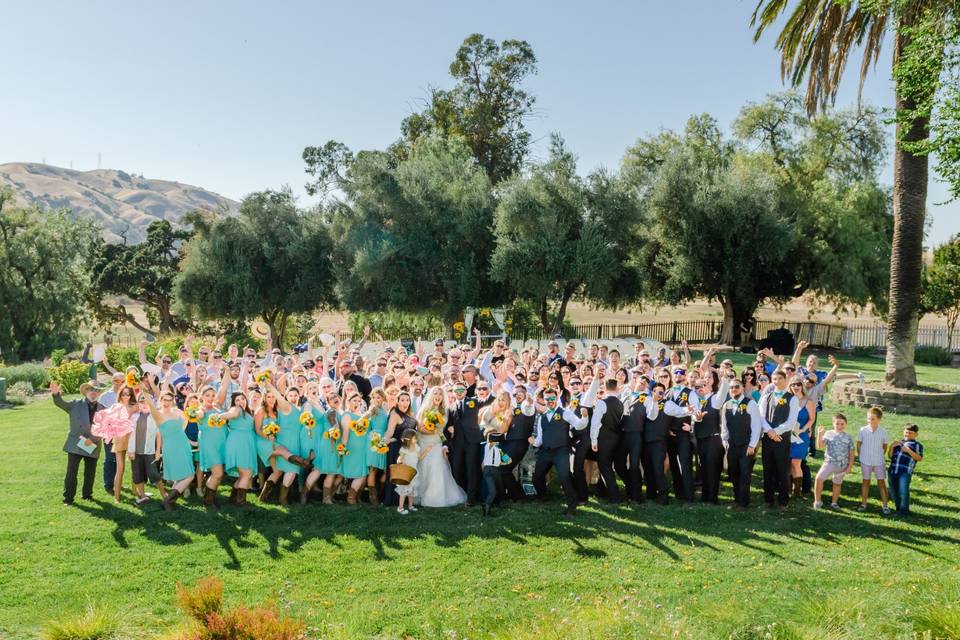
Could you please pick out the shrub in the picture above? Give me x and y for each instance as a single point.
(57, 356)
(933, 355)
(94, 624)
(203, 599)
(122, 357)
(32, 373)
(865, 352)
(71, 375)
(20, 393)
(204, 604)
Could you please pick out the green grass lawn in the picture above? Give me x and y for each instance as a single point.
(611, 572)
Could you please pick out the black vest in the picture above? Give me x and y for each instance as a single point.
(710, 425)
(467, 423)
(738, 421)
(555, 432)
(778, 410)
(522, 426)
(610, 422)
(655, 430)
(682, 400)
(637, 417)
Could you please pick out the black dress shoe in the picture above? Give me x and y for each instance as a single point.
(570, 511)
(486, 509)
(471, 503)
(68, 503)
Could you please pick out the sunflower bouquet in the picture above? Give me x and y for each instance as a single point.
(360, 426)
(342, 450)
(262, 376)
(193, 414)
(131, 379)
(271, 429)
(333, 433)
(431, 421)
(378, 444)
(307, 420)
(216, 421)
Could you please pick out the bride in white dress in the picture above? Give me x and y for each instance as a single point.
(437, 486)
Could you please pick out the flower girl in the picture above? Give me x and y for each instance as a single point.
(411, 456)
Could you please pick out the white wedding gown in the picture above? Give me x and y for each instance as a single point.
(436, 488)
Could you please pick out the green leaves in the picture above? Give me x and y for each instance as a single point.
(43, 279)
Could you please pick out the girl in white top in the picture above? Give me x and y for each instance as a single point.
(411, 456)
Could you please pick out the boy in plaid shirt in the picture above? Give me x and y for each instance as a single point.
(904, 456)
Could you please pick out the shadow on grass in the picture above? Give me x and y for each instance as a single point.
(662, 529)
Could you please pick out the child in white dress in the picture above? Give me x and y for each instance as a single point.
(411, 456)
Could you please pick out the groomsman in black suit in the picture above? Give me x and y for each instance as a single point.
(552, 435)
(517, 441)
(466, 458)
(605, 434)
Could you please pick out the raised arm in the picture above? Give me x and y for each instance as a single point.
(801, 345)
(282, 403)
(56, 394)
(224, 384)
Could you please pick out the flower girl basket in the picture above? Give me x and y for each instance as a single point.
(402, 474)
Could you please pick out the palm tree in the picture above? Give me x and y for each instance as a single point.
(815, 44)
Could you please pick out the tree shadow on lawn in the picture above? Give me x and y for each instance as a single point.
(664, 529)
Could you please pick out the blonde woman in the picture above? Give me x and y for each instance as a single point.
(495, 420)
(437, 487)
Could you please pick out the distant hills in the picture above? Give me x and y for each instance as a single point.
(124, 204)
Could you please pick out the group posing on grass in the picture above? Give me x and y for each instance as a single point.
(314, 425)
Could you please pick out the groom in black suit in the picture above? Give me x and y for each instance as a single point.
(466, 446)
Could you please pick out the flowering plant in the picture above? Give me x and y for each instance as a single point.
(271, 429)
(216, 420)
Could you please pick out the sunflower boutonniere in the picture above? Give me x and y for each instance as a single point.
(471, 404)
(557, 417)
(516, 412)
(781, 402)
(742, 407)
(574, 403)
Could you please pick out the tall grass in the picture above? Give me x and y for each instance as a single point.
(96, 623)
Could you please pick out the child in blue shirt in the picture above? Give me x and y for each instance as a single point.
(904, 456)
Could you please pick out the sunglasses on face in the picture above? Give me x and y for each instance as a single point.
(575, 383)
(168, 362)
(796, 384)
(550, 399)
(483, 389)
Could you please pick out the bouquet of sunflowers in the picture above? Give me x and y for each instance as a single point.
(271, 429)
(333, 433)
(216, 420)
(262, 376)
(307, 420)
(360, 426)
(131, 379)
(378, 444)
(342, 450)
(193, 414)
(431, 420)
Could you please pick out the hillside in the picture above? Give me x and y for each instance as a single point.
(122, 203)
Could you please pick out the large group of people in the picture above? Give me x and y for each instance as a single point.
(471, 425)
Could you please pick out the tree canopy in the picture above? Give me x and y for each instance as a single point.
(559, 236)
(790, 206)
(270, 261)
(43, 279)
(144, 272)
(941, 285)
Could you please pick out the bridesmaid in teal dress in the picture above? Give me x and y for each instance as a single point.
(308, 435)
(241, 450)
(356, 440)
(174, 447)
(289, 437)
(213, 441)
(325, 441)
(376, 462)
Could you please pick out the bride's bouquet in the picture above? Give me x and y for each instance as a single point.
(431, 421)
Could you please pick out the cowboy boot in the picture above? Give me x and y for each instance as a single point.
(327, 495)
(267, 490)
(233, 496)
(209, 497)
(305, 494)
(170, 499)
(797, 487)
(297, 460)
(374, 496)
(241, 497)
(351, 496)
(284, 491)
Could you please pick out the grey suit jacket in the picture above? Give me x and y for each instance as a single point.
(79, 425)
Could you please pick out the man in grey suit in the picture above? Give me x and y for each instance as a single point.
(80, 445)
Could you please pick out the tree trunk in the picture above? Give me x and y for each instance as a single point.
(561, 311)
(906, 257)
(735, 313)
(544, 321)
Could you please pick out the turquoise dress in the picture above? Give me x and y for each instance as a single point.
(241, 452)
(265, 445)
(177, 456)
(378, 424)
(327, 460)
(213, 442)
(355, 460)
(289, 437)
(308, 436)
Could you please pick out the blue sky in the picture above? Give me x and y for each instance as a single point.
(225, 95)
